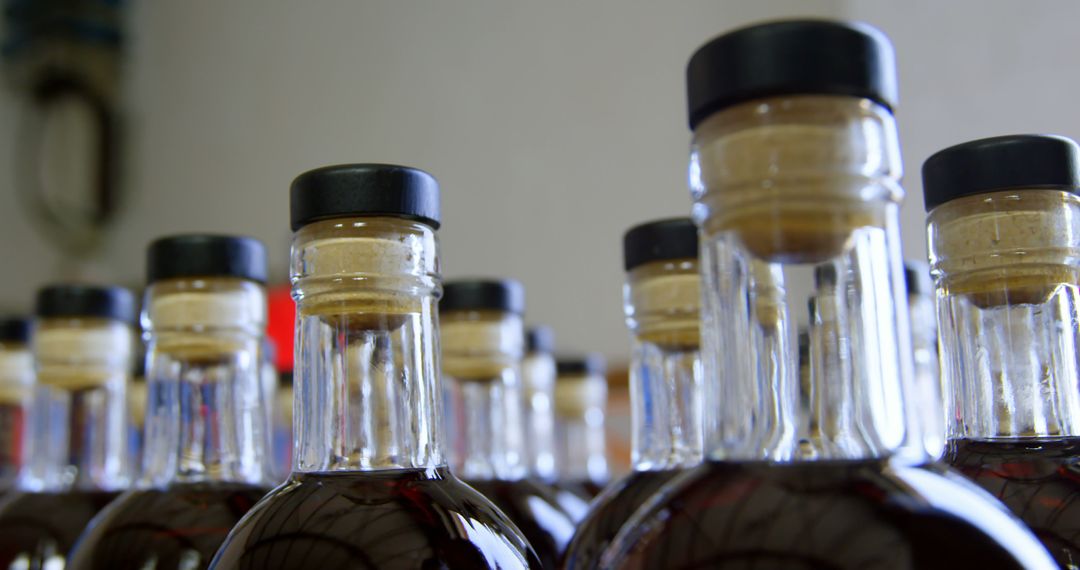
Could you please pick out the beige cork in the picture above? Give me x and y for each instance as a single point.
(84, 354)
(576, 395)
(793, 178)
(480, 345)
(222, 317)
(665, 298)
(16, 375)
(369, 272)
(1011, 247)
(136, 397)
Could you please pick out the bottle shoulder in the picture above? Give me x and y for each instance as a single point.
(186, 521)
(398, 518)
(838, 514)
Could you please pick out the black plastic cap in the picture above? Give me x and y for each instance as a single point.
(797, 57)
(364, 190)
(483, 295)
(15, 330)
(206, 256)
(85, 301)
(589, 364)
(662, 240)
(1001, 163)
(917, 278)
(540, 339)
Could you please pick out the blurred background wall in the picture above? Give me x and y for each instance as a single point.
(553, 126)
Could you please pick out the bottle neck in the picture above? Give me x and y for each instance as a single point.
(663, 311)
(579, 428)
(482, 354)
(79, 420)
(16, 389)
(924, 348)
(538, 379)
(797, 202)
(366, 378)
(1007, 310)
(206, 419)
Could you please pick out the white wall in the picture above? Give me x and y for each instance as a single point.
(553, 126)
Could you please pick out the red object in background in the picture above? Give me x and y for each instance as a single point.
(280, 324)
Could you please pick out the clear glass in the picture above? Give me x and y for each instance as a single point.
(369, 486)
(206, 418)
(538, 381)
(662, 301)
(837, 251)
(924, 348)
(1007, 274)
(79, 410)
(662, 304)
(16, 388)
(797, 201)
(1005, 265)
(482, 353)
(78, 433)
(206, 430)
(580, 444)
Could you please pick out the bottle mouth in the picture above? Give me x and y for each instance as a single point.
(480, 344)
(78, 354)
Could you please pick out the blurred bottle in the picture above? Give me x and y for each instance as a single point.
(794, 172)
(580, 401)
(282, 427)
(538, 383)
(136, 404)
(83, 345)
(16, 389)
(1004, 235)
(924, 347)
(663, 312)
(206, 431)
(482, 347)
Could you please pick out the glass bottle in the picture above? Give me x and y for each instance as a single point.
(538, 387)
(482, 347)
(370, 487)
(16, 389)
(795, 171)
(282, 426)
(580, 399)
(83, 345)
(206, 432)
(538, 382)
(1004, 236)
(663, 312)
(136, 409)
(924, 348)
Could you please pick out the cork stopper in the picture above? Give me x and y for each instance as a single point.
(79, 354)
(793, 178)
(480, 345)
(1010, 247)
(575, 395)
(664, 304)
(369, 272)
(207, 318)
(16, 374)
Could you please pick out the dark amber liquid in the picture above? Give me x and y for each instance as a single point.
(1039, 479)
(179, 528)
(41, 528)
(374, 519)
(584, 488)
(610, 510)
(826, 515)
(535, 509)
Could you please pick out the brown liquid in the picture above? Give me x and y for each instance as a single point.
(826, 515)
(179, 528)
(41, 528)
(585, 488)
(610, 510)
(535, 509)
(1039, 479)
(402, 518)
